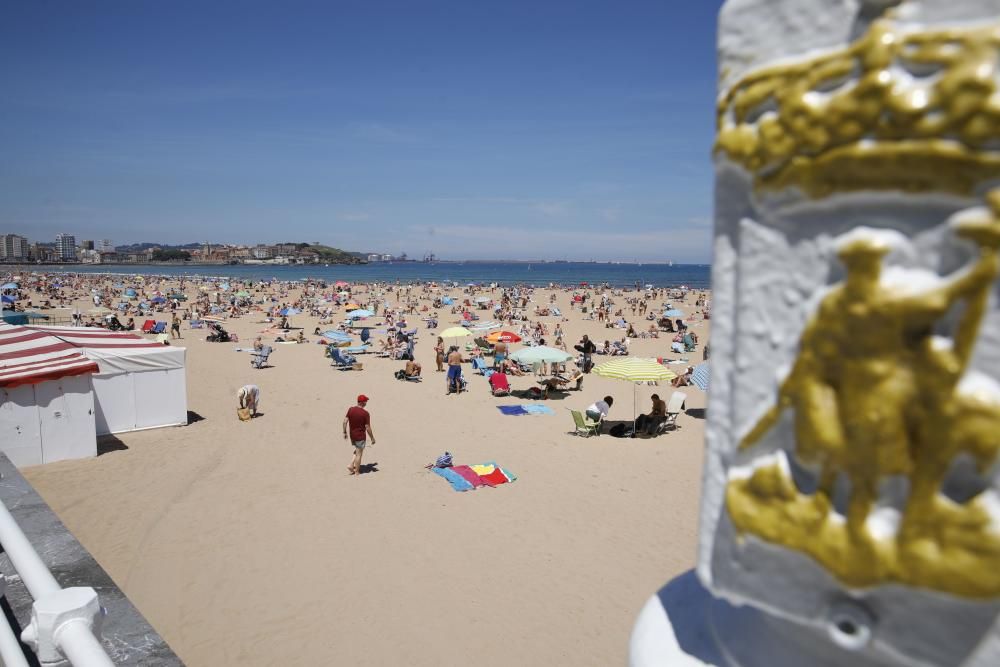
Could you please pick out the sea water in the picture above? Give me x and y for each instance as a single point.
(504, 273)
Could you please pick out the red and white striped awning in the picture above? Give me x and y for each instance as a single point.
(95, 337)
(29, 356)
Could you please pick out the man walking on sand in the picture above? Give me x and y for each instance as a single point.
(360, 423)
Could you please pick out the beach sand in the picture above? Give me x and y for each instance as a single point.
(249, 543)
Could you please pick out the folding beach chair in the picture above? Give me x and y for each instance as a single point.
(147, 326)
(479, 365)
(584, 426)
(499, 384)
(259, 359)
(342, 362)
(196, 324)
(689, 344)
(675, 406)
(159, 328)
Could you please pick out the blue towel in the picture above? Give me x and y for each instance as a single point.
(512, 409)
(536, 409)
(457, 482)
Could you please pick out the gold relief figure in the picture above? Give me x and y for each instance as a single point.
(898, 109)
(874, 395)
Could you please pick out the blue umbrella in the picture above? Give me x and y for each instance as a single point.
(158, 299)
(359, 313)
(673, 312)
(285, 312)
(130, 292)
(699, 377)
(7, 299)
(8, 286)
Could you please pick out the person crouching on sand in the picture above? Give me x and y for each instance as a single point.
(359, 423)
(249, 398)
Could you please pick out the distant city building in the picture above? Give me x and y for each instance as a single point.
(13, 247)
(89, 255)
(105, 245)
(262, 252)
(66, 247)
(87, 245)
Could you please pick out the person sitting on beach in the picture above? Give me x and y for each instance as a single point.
(510, 367)
(300, 338)
(654, 417)
(631, 332)
(412, 369)
(599, 410)
(258, 344)
(684, 379)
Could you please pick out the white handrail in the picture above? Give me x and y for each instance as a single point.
(35, 575)
(11, 653)
(61, 620)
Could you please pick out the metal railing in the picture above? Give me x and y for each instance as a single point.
(65, 623)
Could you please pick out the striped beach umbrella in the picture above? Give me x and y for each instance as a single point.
(699, 377)
(634, 370)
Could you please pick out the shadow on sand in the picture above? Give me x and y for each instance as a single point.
(110, 443)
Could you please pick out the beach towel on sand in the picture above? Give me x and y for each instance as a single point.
(466, 478)
(512, 409)
(457, 482)
(536, 409)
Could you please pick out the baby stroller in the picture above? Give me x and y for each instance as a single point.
(218, 334)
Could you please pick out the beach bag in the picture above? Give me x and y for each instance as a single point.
(243, 414)
(618, 431)
(400, 374)
(443, 461)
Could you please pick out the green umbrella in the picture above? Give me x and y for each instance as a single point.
(540, 355)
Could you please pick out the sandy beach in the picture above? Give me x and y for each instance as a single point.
(249, 543)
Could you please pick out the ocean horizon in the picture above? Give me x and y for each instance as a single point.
(501, 272)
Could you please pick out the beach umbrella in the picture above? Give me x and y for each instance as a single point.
(7, 299)
(359, 314)
(243, 293)
(341, 283)
(699, 377)
(351, 306)
(158, 299)
(634, 370)
(286, 312)
(505, 336)
(541, 354)
(130, 292)
(8, 286)
(455, 332)
(447, 301)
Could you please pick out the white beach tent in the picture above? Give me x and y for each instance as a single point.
(46, 398)
(141, 384)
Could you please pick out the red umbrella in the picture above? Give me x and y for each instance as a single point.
(505, 336)
(341, 283)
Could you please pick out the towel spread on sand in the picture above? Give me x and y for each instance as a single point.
(530, 409)
(457, 482)
(466, 478)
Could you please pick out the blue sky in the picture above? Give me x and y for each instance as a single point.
(486, 130)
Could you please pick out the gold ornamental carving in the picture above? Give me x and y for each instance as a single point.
(913, 111)
(875, 394)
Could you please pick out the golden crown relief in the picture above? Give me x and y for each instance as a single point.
(897, 110)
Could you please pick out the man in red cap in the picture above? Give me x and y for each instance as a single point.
(359, 422)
